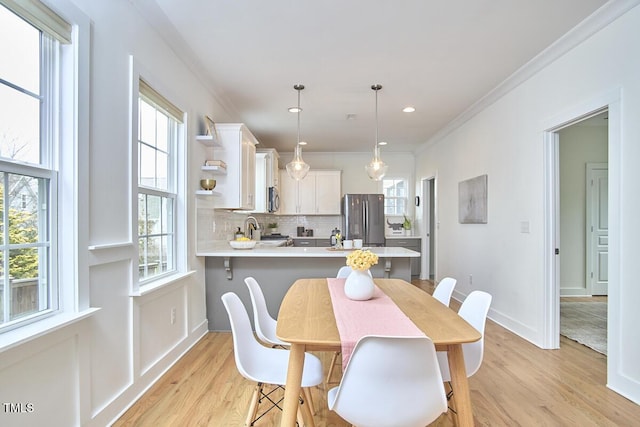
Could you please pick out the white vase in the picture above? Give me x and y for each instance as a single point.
(359, 285)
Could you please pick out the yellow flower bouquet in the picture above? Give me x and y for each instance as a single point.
(361, 259)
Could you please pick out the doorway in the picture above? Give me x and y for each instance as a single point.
(583, 230)
(583, 207)
(428, 236)
(610, 101)
(605, 102)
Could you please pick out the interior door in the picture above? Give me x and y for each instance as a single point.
(597, 228)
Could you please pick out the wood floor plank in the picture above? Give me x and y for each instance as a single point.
(517, 385)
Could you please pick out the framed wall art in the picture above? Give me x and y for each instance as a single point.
(472, 200)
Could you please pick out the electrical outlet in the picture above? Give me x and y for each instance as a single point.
(173, 315)
(471, 279)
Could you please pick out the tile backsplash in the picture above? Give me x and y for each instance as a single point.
(215, 224)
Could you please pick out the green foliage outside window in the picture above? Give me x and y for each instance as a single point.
(23, 228)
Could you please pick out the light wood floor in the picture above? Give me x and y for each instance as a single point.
(518, 385)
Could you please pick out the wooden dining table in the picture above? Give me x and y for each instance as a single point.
(306, 320)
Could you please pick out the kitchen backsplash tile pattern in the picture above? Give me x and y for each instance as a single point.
(223, 223)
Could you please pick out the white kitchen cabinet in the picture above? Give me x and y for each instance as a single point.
(238, 150)
(317, 194)
(328, 192)
(288, 194)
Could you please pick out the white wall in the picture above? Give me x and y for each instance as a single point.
(578, 146)
(88, 372)
(506, 141)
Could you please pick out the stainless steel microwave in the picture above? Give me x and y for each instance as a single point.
(273, 203)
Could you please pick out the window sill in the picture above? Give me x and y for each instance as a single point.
(23, 334)
(161, 283)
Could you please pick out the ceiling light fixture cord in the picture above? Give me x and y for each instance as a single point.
(297, 168)
(298, 88)
(376, 88)
(376, 169)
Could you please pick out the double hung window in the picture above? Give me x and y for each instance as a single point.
(395, 196)
(159, 129)
(31, 39)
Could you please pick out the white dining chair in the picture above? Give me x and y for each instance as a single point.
(474, 310)
(262, 364)
(345, 270)
(444, 290)
(265, 324)
(390, 382)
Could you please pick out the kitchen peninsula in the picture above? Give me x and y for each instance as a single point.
(276, 268)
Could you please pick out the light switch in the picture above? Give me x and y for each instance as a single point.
(524, 226)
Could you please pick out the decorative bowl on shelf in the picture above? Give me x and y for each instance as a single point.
(208, 184)
(243, 244)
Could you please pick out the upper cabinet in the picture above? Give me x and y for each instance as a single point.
(235, 146)
(317, 194)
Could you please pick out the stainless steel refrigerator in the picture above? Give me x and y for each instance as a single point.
(363, 216)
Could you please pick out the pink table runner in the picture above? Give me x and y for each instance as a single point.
(377, 316)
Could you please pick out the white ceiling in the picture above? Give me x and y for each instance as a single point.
(438, 56)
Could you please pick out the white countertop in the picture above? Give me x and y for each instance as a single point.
(222, 249)
(389, 236)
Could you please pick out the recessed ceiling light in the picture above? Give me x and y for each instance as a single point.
(409, 109)
(382, 143)
(295, 109)
(302, 143)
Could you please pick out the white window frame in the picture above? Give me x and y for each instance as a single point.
(406, 198)
(142, 287)
(68, 122)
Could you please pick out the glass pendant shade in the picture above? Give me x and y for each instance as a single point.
(297, 168)
(376, 169)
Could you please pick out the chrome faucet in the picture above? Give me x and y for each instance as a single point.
(249, 227)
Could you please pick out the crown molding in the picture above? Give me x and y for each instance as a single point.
(157, 19)
(598, 20)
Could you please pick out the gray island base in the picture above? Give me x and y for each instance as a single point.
(276, 269)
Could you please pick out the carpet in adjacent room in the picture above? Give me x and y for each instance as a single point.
(586, 323)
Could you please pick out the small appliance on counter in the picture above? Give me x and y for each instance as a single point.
(238, 234)
(335, 239)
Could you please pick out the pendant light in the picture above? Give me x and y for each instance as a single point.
(376, 169)
(297, 168)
